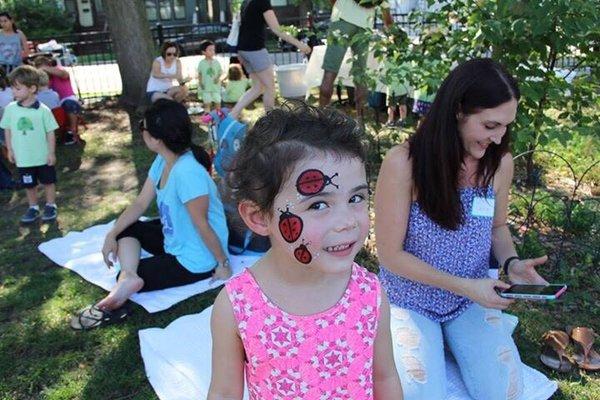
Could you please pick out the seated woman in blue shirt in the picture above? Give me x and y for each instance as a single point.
(189, 242)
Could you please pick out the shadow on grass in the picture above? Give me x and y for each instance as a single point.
(116, 374)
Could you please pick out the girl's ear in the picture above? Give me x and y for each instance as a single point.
(254, 217)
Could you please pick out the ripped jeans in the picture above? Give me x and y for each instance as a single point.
(478, 339)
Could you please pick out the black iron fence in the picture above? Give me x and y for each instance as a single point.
(91, 59)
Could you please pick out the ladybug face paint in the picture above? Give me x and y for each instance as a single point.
(290, 225)
(302, 254)
(313, 181)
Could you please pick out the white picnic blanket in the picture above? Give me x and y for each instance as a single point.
(178, 361)
(81, 252)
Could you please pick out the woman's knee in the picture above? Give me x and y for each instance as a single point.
(267, 79)
(419, 355)
(420, 377)
(258, 88)
(492, 368)
(501, 381)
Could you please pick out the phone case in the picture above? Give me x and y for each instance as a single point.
(533, 296)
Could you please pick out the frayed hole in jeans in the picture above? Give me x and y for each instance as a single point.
(400, 314)
(493, 317)
(506, 356)
(415, 369)
(407, 337)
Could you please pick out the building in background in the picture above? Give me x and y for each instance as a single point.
(89, 14)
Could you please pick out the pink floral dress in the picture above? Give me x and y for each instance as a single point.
(328, 355)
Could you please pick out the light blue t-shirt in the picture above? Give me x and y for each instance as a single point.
(188, 180)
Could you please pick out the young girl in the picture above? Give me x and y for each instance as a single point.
(440, 211)
(60, 82)
(305, 322)
(236, 84)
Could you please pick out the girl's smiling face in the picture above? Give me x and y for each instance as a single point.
(320, 217)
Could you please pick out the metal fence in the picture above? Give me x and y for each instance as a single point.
(95, 73)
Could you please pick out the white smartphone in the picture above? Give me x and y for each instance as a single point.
(534, 292)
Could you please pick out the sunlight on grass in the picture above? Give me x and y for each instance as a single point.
(42, 358)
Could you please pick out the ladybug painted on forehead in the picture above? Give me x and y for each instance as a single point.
(290, 225)
(313, 181)
(302, 254)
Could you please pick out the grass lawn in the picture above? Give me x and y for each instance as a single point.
(42, 358)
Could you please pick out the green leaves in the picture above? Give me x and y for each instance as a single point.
(540, 43)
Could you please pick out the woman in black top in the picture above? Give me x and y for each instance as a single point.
(256, 16)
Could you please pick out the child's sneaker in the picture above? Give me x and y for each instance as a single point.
(69, 138)
(31, 215)
(50, 213)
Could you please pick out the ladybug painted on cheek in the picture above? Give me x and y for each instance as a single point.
(290, 226)
(313, 181)
(302, 254)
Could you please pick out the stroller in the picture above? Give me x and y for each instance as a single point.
(59, 52)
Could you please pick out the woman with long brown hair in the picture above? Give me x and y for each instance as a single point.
(441, 207)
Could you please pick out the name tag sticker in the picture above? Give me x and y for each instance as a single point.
(483, 207)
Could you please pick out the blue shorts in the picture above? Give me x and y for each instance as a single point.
(71, 107)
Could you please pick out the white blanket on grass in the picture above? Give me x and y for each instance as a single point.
(178, 361)
(81, 252)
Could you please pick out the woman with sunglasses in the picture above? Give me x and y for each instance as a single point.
(165, 70)
(189, 241)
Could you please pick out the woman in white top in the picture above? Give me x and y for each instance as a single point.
(166, 69)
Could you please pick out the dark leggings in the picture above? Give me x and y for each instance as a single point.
(161, 270)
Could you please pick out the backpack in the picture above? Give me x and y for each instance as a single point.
(377, 100)
(241, 241)
(227, 134)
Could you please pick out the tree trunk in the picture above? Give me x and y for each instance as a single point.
(133, 46)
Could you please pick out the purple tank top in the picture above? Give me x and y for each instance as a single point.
(464, 252)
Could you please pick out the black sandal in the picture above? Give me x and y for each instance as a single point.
(92, 317)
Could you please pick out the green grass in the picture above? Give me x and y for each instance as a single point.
(42, 358)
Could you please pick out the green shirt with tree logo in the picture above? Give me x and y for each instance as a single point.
(29, 127)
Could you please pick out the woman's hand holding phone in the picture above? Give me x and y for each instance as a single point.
(483, 292)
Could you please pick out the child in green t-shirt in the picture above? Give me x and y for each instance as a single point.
(209, 77)
(29, 128)
(236, 85)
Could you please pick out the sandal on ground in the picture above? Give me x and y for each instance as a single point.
(93, 317)
(553, 354)
(585, 356)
